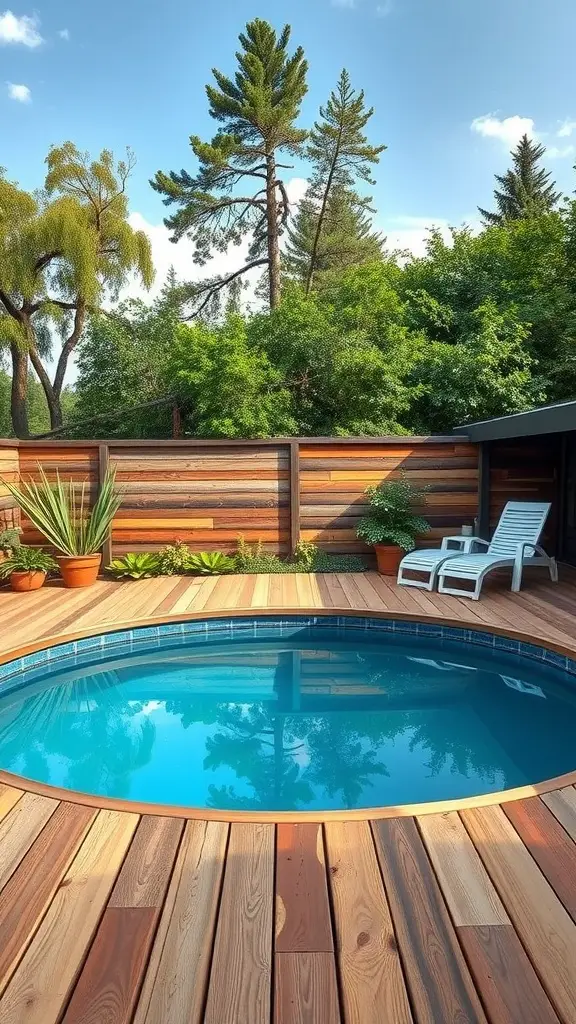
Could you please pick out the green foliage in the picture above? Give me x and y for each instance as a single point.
(526, 189)
(134, 566)
(391, 518)
(174, 559)
(10, 539)
(64, 517)
(229, 387)
(251, 558)
(125, 356)
(27, 559)
(211, 563)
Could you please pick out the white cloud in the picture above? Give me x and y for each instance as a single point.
(560, 152)
(20, 93)
(384, 9)
(410, 234)
(566, 129)
(509, 130)
(23, 30)
(64, 34)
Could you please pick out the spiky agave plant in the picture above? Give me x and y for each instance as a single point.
(64, 517)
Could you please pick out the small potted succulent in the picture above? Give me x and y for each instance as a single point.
(391, 525)
(63, 515)
(27, 568)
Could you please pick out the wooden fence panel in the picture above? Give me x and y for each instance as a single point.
(204, 496)
(207, 493)
(9, 471)
(334, 478)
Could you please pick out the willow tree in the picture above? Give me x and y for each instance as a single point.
(237, 192)
(341, 155)
(61, 251)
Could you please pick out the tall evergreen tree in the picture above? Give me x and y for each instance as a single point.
(257, 110)
(525, 190)
(347, 238)
(340, 154)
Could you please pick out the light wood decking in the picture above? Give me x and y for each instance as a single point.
(109, 917)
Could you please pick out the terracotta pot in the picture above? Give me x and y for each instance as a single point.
(388, 558)
(31, 579)
(79, 570)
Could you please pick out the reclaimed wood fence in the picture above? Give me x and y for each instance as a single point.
(206, 493)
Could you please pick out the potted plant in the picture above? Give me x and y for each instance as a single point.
(391, 524)
(27, 568)
(75, 530)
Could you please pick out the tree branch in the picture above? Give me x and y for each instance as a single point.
(69, 346)
(10, 307)
(217, 286)
(73, 425)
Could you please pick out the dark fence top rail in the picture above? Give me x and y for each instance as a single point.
(228, 443)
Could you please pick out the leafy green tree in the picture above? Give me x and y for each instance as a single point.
(526, 190)
(229, 387)
(59, 250)
(258, 110)
(340, 154)
(489, 373)
(347, 237)
(122, 363)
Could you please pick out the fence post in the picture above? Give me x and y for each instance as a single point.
(294, 495)
(103, 465)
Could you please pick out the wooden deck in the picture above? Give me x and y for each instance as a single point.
(109, 917)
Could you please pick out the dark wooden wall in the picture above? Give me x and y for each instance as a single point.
(207, 493)
(526, 469)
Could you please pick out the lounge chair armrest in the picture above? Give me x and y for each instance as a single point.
(480, 540)
(536, 548)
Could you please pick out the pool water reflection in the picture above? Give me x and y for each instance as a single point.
(304, 724)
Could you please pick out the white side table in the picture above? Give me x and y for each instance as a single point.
(464, 545)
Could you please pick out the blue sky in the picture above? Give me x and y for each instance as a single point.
(453, 83)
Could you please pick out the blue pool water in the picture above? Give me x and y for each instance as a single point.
(323, 719)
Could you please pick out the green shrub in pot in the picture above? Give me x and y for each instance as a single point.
(391, 525)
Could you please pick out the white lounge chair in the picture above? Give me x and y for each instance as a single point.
(514, 545)
(517, 524)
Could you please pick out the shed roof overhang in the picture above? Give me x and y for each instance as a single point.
(547, 419)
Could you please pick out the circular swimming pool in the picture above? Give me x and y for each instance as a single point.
(295, 714)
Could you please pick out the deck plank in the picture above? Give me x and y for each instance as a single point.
(27, 895)
(549, 844)
(502, 972)
(438, 977)
(9, 797)
(175, 982)
(112, 975)
(41, 984)
(373, 987)
(240, 980)
(20, 828)
(562, 803)
(305, 989)
(302, 909)
(543, 925)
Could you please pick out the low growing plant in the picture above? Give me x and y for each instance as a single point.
(134, 566)
(211, 563)
(174, 559)
(64, 517)
(10, 539)
(27, 559)
(251, 558)
(391, 519)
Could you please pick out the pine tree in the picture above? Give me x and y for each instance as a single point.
(340, 154)
(60, 249)
(347, 238)
(257, 110)
(525, 190)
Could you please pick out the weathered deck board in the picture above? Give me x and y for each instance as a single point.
(465, 916)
